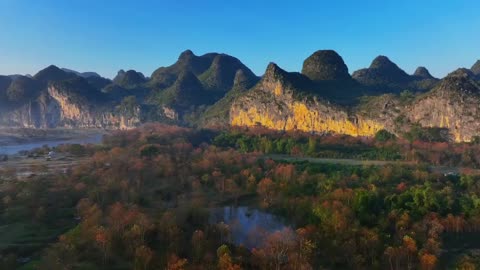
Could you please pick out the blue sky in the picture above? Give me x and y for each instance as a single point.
(106, 36)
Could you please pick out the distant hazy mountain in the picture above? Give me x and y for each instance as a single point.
(82, 74)
(53, 73)
(129, 79)
(386, 76)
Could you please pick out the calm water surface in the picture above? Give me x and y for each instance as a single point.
(15, 148)
(247, 226)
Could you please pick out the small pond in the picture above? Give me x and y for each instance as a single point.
(247, 226)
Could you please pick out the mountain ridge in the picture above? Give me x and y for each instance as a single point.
(218, 90)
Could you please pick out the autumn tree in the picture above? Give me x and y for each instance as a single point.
(225, 259)
(102, 240)
(410, 248)
(266, 189)
(143, 257)
(199, 245)
(176, 263)
(428, 261)
(278, 250)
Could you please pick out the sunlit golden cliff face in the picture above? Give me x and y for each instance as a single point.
(273, 104)
(453, 105)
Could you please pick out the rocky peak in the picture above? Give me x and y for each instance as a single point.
(87, 74)
(382, 62)
(459, 81)
(279, 81)
(243, 80)
(383, 74)
(274, 73)
(461, 73)
(22, 89)
(388, 68)
(187, 61)
(325, 65)
(476, 68)
(53, 73)
(121, 72)
(422, 73)
(186, 55)
(196, 64)
(128, 79)
(220, 75)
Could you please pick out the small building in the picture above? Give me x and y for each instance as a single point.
(50, 155)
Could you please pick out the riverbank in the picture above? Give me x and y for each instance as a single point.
(12, 136)
(13, 141)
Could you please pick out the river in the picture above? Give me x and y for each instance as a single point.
(12, 149)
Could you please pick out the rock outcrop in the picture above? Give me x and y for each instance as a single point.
(129, 79)
(55, 108)
(275, 103)
(452, 104)
(85, 75)
(50, 102)
(423, 73)
(325, 65)
(382, 73)
(196, 81)
(164, 77)
(476, 69)
(53, 73)
(384, 76)
(221, 73)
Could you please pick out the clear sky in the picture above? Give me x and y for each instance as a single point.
(105, 36)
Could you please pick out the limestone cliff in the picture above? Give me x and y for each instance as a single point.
(55, 108)
(276, 103)
(453, 104)
(292, 101)
(217, 90)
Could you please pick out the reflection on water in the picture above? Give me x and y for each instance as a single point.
(455, 245)
(246, 226)
(13, 149)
